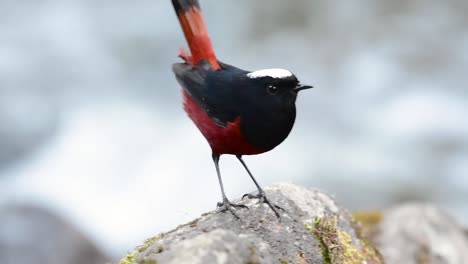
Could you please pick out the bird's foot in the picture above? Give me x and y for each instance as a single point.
(263, 199)
(226, 205)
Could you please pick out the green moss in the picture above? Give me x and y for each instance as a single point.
(365, 223)
(337, 246)
(252, 259)
(352, 254)
(283, 261)
(252, 250)
(324, 230)
(370, 217)
(131, 257)
(150, 261)
(148, 242)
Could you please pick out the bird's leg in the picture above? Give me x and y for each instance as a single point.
(225, 205)
(261, 194)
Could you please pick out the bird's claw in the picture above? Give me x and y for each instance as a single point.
(263, 199)
(259, 196)
(226, 205)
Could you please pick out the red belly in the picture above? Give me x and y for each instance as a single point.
(223, 140)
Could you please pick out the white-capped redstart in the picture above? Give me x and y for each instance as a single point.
(239, 112)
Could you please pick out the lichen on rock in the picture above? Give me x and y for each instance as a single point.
(312, 229)
(131, 257)
(337, 246)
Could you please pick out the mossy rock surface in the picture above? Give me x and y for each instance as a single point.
(312, 229)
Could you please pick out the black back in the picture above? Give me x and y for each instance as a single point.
(266, 117)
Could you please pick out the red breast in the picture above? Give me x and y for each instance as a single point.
(222, 139)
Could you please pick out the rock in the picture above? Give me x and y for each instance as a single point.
(312, 229)
(33, 235)
(417, 233)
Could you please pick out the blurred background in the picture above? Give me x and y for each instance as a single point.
(95, 147)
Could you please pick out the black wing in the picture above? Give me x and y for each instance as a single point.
(216, 91)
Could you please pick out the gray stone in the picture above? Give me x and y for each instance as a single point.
(33, 235)
(312, 229)
(219, 246)
(419, 234)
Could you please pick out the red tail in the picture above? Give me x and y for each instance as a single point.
(193, 25)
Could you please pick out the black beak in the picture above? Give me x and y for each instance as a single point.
(302, 87)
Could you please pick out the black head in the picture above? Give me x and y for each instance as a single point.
(276, 85)
(269, 115)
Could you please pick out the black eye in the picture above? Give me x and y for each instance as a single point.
(272, 89)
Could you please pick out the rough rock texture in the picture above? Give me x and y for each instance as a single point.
(32, 235)
(313, 229)
(416, 234)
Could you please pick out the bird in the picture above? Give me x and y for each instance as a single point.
(239, 112)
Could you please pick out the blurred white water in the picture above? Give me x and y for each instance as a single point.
(91, 124)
